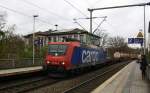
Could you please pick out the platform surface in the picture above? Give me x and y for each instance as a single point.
(16, 71)
(127, 80)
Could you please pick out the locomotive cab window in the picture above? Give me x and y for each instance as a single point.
(57, 49)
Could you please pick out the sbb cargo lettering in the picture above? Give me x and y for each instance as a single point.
(89, 56)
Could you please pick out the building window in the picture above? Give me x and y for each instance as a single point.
(82, 38)
(54, 38)
(69, 36)
(49, 39)
(75, 36)
(60, 38)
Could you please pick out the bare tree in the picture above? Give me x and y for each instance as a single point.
(117, 42)
(104, 37)
(3, 16)
(10, 43)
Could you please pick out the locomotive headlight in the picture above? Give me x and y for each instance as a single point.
(48, 62)
(63, 63)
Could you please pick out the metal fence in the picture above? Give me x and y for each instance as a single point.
(14, 63)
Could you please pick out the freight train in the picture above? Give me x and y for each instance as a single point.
(73, 56)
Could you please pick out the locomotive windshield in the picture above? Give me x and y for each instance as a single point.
(57, 49)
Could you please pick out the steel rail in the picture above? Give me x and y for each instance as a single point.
(29, 85)
(87, 81)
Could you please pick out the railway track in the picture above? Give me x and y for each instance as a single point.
(80, 84)
(25, 86)
(90, 84)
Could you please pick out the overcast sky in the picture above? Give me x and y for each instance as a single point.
(124, 22)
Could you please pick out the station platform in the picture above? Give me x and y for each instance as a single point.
(127, 80)
(16, 71)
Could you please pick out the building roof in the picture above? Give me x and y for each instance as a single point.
(39, 33)
(62, 32)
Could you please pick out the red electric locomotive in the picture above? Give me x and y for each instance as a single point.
(72, 56)
(58, 58)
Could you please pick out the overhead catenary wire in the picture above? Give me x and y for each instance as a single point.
(76, 8)
(43, 9)
(32, 4)
(100, 23)
(92, 17)
(15, 11)
(52, 12)
(79, 24)
(23, 14)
